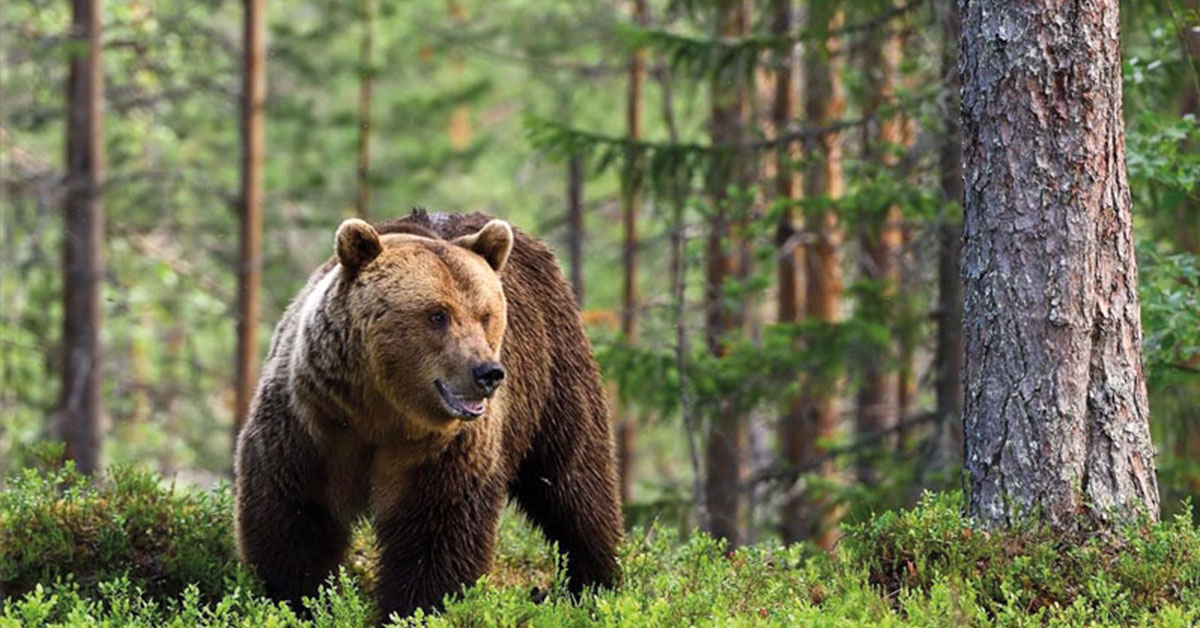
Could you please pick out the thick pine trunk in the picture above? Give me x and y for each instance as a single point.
(806, 516)
(1057, 423)
(630, 207)
(727, 435)
(254, 91)
(365, 86)
(880, 237)
(949, 352)
(83, 222)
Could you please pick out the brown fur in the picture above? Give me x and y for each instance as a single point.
(347, 421)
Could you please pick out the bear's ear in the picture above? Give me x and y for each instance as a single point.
(357, 243)
(493, 243)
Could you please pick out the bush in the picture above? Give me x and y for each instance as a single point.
(1117, 576)
(62, 525)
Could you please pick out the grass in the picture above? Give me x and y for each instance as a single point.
(126, 550)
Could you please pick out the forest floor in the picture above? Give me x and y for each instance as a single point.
(128, 549)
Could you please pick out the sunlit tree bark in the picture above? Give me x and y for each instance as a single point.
(816, 517)
(254, 92)
(630, 208)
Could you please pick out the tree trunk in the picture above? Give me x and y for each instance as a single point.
(816, 517)
(1187, 218)
(254, 88)
(458, 129)
(630, 207)
(949, 352)
(727, 436)
(575, 224)
(365, 80)
(880, 237)
(83, 221)
(789, 262)
(1056, 417)
(908, 270)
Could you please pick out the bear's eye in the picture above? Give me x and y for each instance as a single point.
(486, 319)
(439, 319)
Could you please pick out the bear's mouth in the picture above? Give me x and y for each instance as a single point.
(469, 409)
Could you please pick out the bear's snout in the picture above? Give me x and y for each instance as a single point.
(488, 376)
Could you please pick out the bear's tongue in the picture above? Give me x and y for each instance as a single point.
(474, 406)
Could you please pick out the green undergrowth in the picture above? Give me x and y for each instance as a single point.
(126, 549)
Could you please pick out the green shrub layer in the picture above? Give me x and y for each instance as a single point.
(124, 551)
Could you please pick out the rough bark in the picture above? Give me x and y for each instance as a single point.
(727, 436)
(880, 238)
(83, 221)
(630, 207)
(1056, 417)
(809, 517)
(949, 352)
(365, 86)
(254, 91)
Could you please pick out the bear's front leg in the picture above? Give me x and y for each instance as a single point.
(436, 529)
(287, 536)
(567, 486)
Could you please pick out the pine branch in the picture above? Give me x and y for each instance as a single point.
(663, 158)
(703, 56)
(790, 473)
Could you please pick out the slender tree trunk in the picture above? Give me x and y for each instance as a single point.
(1189, 104)
(575, 224)
(824, 102)
(1057, 422)
(727, 436)
(790, 261)
(366, 76)
(679, 273)
(909, 276)
(1187, 446)
(459, 129)
(254, 91)
(630, 207)
(83, 221)
(949, 358)
(881, 238)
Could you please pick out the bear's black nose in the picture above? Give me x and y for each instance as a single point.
(488, 376)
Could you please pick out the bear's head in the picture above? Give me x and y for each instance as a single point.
(431, 314)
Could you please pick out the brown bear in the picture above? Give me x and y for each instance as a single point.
(433, 368)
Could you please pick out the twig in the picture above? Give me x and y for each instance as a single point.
(678, 277)
(789, 473)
